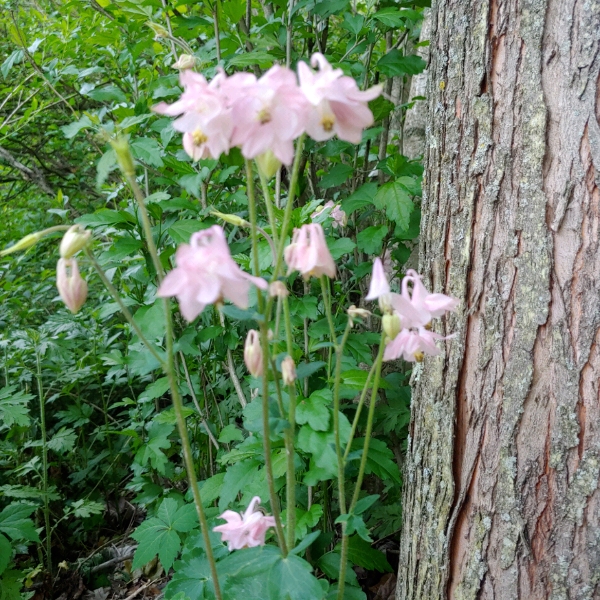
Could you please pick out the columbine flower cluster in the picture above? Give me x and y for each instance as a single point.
(407, 316)
(269, 113)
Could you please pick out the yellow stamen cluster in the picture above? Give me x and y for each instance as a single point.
(328, 122)
(199, 137)
(264, 116)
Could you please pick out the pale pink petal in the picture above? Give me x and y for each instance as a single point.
(379, 283)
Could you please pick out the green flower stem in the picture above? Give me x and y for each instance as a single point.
(253, 228)
(269, 204)
(289, 438)
(327, 303)
(126, 163)
(371, 415)
(361, 403)
(264, 340)
(187, 450)
(126, 313)
(48, 530)
(361, 469)
(336, 419)
(287, 215)
(141, 201)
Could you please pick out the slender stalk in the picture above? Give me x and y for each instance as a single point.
(361, 403)
(48, 530)
(264, 340)
(327, 303)
(289, 438)
(269, 204)
(287, 215)
(253, 225)
(370, 417)
(336, 419)
(187, 450)
(126, 313)
(127, 166)
(361, 469)
(196, 403)
(216, 24)
(141, 201)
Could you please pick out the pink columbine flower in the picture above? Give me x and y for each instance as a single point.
(412, 345)
(72, 288)
(308, 253)
(337, 105)
(379, 287)
(419, 306)
(336, 213)
(253, 354)
(206, 274)
(245, 530)
(268, 114)
(206, 121)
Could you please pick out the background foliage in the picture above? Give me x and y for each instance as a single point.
(73, 70)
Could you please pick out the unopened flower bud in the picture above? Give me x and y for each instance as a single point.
(159, 30)
(233, 219)
(121, 147)
(391, 325)
(253, 356)
(361, 313)
(288, 370)
(74, 240)
(23, 243)
(71, 286)
(385, 304)
(277, 289)
(185, 61)
(268, 163)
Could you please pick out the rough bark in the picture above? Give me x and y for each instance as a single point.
(501, 496)
(413, 142)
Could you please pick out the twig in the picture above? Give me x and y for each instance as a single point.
(196, 403)
(232, 373)
(141, 589)
(109, 563)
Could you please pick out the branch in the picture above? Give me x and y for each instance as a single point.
(33, 174)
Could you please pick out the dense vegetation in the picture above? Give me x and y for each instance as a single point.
(89, 451)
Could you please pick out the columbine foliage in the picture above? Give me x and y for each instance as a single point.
(85, 414)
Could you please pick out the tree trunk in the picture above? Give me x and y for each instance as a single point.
(501, 496)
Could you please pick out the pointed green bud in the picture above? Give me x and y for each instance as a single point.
(74, 240)
(121, 147)
(268, 164)
(391, 325)
(233, 219)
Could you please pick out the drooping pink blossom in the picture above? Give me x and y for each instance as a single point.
(206, 274)
(418, 307)
(337, 105)
(379, 284)
(339, 217)
(245, 530)
(308, 253)
(72, 288)
(436, 304)
(253, 354)
(268, 114)
(412, 345)
(206, 120)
